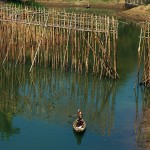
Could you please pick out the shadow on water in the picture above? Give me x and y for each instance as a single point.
(6, 126)
(127, 45)
(78, 137)
(146, 98)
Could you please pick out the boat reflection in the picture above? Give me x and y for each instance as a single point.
(79, 136)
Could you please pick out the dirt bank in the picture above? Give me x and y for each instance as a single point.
(140, 13)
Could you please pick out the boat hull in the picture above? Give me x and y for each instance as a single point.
(79, 128)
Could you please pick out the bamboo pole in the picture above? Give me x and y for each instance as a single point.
(38, 46)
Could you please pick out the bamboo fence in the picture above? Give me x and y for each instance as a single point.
(144, 54)
(80, 42)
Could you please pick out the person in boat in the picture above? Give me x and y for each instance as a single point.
(88, 5)
(80, 116)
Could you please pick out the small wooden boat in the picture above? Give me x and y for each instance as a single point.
(79, 126)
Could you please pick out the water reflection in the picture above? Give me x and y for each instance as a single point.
(9, 107)
(6, 127)
(146, 98)
(78, 137)
(142, 122)
(52, 95)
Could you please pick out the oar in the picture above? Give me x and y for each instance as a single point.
(72, 115)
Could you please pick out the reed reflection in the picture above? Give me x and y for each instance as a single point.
(146, 98)
(142, 125)
(53, 95)
(78, 137)
(9, 106)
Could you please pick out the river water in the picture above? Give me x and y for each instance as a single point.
(35, 108)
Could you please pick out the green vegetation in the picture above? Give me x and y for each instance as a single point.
(22, 2)
(32, 3)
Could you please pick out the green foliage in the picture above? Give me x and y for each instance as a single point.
(105, 0)
(147, 1)
(14, 1)
(31, 3)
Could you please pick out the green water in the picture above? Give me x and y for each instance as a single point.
(34, 108)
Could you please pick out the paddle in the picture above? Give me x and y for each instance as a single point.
(72, 115)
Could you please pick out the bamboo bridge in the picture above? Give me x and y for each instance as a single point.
(59, 39)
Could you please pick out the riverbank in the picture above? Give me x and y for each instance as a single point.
(139, 13)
